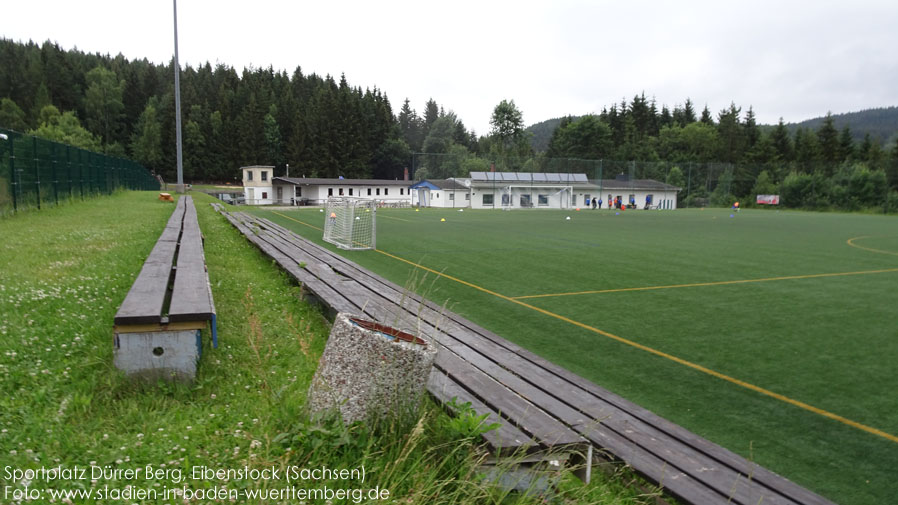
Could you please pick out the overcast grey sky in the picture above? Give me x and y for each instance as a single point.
(794, 60)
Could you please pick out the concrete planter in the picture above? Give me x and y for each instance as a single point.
(369, 370)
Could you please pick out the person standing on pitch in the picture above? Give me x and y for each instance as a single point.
(593, 203)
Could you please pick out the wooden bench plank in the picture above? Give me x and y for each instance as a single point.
(506, 439)
(190, 299)
(144, 301)
(337, 301)
(172, 230)
(362, 301)
(526, 416)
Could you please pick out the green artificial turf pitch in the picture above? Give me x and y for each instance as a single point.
(772, 333)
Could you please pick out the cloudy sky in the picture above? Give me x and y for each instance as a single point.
(794, 60)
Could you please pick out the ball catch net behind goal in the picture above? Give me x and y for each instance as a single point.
(350, 223)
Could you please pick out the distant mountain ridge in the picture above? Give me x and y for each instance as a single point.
(880, 123)
(542, 133)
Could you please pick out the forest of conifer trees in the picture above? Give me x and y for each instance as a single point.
(321, 126)
(325, 127)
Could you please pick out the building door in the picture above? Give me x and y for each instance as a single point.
(280, 193)
(251, 196)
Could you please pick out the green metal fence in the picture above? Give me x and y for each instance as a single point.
(35, 173)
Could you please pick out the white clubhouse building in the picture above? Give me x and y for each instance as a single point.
(482, 190)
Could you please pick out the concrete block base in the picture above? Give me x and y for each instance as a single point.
(151, 355)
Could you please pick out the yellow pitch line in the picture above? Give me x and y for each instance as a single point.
(699, 284)
(297, 220)
(851, 243)
(397, 219)
(451, 278)
(662, 354)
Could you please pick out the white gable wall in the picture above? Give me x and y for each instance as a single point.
(257, 185)
(441, 198)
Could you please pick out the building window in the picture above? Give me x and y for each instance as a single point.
(265, 195)
(401, 191)
(340, 191)
(249, 175)
(467, 196)
(525, 201)
(488, 199)
(369, 191)
(452, 196)
(438, 195)
(378, 191)
(542, 200)
(330, 191)
(386, 191)
(506, 199)
(264, 175)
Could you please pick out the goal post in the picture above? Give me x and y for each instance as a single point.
(351, 223)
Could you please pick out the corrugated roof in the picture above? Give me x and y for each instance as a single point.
(528, 177)
(552, 178)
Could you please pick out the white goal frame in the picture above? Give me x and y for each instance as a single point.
(351, 223)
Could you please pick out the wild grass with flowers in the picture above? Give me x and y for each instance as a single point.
(63, 404)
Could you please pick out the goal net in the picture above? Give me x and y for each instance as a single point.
(350, 223)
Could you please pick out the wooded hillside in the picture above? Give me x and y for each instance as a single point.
(321, 126)
(881, 124)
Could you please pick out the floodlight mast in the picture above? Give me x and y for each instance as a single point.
(180, 186)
